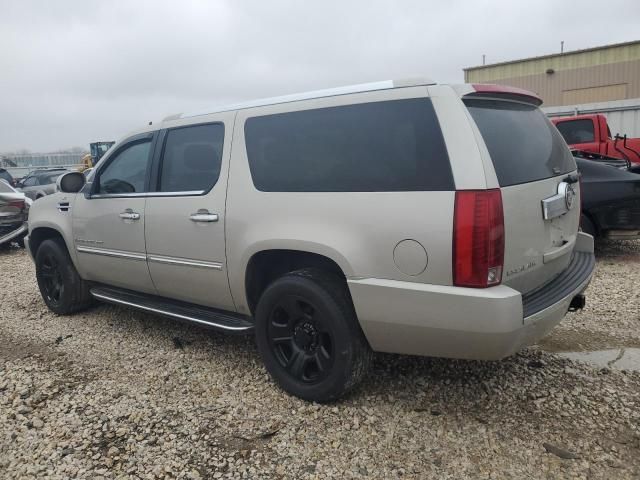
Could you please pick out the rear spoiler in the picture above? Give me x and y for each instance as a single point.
(485, 90)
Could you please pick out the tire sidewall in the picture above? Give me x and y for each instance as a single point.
(67, 271)
(333, 319)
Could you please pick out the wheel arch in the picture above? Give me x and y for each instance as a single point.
(265, 265)
(42, 233)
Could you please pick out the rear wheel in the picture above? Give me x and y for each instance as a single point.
(309, 337)
(61, 287)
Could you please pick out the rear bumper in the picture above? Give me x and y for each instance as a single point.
(20, 229)
(482, 324)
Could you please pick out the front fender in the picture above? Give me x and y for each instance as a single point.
(45, 213)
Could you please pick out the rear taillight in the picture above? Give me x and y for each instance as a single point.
(478, 238)
(19, 204)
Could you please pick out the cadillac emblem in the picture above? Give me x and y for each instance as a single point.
(569, 196)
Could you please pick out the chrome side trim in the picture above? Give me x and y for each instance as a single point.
(111, 253)
(118, 195)
(175, 194)
(185, 262)
(159, 311)
(189, 193)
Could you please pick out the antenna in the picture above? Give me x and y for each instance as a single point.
(562, 46)
(483, 58)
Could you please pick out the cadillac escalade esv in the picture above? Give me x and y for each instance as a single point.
(398, 216)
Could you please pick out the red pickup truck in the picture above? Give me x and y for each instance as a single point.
(591, 133)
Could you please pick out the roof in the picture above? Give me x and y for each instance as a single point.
(552, 55)
(330, 92)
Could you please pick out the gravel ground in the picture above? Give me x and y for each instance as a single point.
(113, 393)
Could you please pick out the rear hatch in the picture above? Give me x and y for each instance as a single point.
(535, 169)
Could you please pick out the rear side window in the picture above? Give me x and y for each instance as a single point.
(523, 144)
(383, 146)
(577, 131)
(192, 158)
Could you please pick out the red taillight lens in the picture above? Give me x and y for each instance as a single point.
(19, 204)
(478, 238)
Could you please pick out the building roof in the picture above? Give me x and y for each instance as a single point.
(553, 55)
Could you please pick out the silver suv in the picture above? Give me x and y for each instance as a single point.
(399, 216)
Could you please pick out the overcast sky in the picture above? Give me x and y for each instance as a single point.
(73, 72)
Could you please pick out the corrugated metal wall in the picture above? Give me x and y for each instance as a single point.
(609, 73)
(623, 116)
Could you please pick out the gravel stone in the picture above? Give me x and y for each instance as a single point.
(118, 397)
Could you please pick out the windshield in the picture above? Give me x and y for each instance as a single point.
(523, 144)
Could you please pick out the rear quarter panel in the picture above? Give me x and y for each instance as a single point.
(358, 230)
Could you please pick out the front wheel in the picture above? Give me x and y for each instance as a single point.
(61, 287)
(309, 337)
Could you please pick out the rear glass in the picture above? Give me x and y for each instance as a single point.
(523, 144)
(577, 131)
(372, 147)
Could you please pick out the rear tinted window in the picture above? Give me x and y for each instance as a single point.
(382, 146)
(577, 131)
(523, 144)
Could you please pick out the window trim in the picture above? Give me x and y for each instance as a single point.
(150, 137)
(158, 161)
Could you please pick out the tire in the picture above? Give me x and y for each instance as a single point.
(587, 226)
(309, 337)
(61, 287)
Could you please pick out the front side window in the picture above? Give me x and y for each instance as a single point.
(126, 172)
(577, 131)
(381, 146)
(191, 158)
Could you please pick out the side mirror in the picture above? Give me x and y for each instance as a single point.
(71, 182)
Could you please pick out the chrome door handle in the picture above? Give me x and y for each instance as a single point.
(129, 214)
(203, 216)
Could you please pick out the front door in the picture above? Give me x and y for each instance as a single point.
(185, 216)
(109, 222)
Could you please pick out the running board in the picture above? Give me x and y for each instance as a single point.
(210, 317)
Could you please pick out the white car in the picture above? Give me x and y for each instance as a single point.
(399, 216)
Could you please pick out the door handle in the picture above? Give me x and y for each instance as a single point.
(129, 214)
(203, 215)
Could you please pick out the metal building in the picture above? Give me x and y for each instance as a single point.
(594, 80)
(601, 74)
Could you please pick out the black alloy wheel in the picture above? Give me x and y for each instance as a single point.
(52, 282)
(309, 337)
(61, 287)
(300, 340)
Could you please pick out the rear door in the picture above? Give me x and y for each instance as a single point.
(538, 181)
(185, 228)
